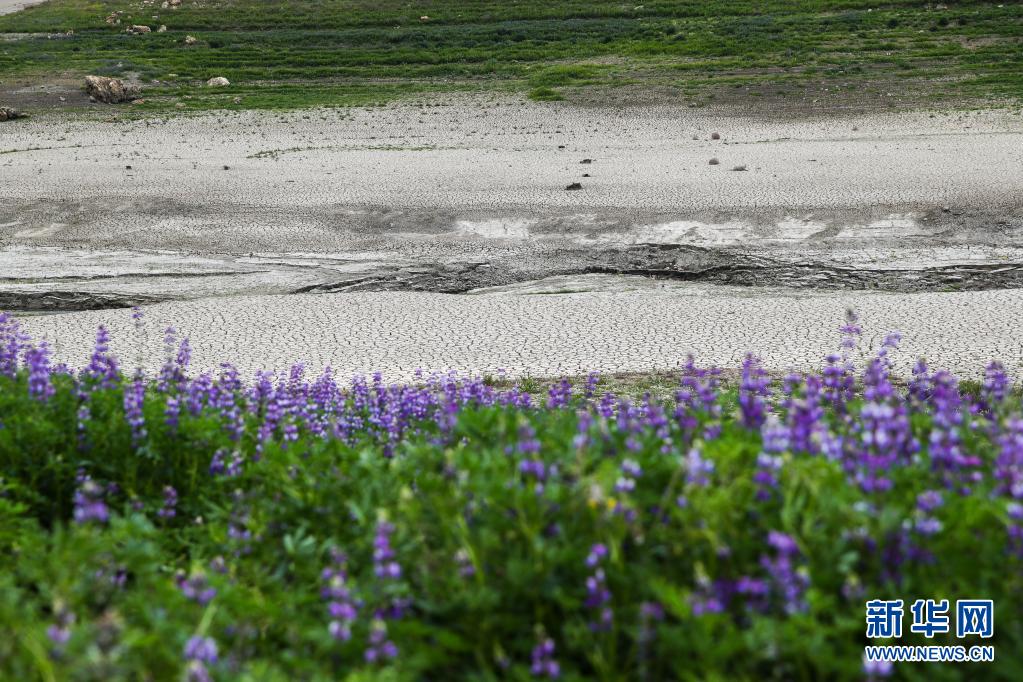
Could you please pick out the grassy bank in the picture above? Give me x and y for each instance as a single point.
(305, 52)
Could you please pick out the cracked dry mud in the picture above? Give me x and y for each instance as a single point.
(621, 326)
(468, 194)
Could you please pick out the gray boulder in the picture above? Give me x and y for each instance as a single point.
(111, 90)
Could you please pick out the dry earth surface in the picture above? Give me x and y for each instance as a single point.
(630, 326)
(8, 6)
(455, 195)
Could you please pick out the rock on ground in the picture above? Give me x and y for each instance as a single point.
(111, 90)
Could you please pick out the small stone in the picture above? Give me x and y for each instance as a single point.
(586, 161)
(218, 82)
(227, 168)
(715, 136)
(713, 162)
(574, 186)
(739, 168)
(191, 40)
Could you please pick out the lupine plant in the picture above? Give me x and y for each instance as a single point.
(198, 526)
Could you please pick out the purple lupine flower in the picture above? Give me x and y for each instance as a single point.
(710, 596)
(466, 569)
(883, 439)
(920, 387)
(626, 483)
(755, 593)
(559, 395)
(876, 669)
(380, 647)
(102, 370)
(40, 386)
(196, 587)
(528, 444)
(543, 662)
(341, 606)
(697, 398)
(838, 381)
(851, 331)
(384, 565)
(59, 632)
(698, 468)
(201, 649)
(134, 396)
(1009, 463)
(220, 465)
(88, 501)
(591, 384)
(596, 555)
(582, 436)
(532, 467)
(949, 458)
(12, 341)
(649, 613)
(996, 387)
(172, 412)
(775, 438)
(170, 503)
(929, 501)
(787, 581)
(805, 417)
(753, 392)
(200, 652)
(598, 596)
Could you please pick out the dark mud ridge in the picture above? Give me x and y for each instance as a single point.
(721, 266)
(67, 301)
(691, 264)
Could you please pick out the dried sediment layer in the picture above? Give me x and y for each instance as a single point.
(471, 193)
(642, 329)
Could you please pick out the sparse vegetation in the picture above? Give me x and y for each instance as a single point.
(316, 52)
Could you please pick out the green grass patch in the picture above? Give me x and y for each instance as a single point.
(545, 94)
(968, 49)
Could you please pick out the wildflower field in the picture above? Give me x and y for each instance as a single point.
(208, 527)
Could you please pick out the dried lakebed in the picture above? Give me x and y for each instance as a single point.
(461, 193)
(624, 325)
